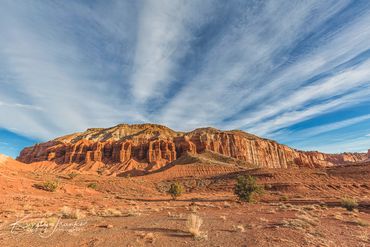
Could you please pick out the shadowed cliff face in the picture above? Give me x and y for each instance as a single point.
(155, 146)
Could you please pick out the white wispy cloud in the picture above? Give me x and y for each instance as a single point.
(18, 105)
(49, 72)
(284, 100)
(163, 38)
(324, 128)
(349, 145)
(293, 108)
(257, 66)
(239, 83)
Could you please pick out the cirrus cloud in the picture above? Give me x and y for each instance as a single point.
(286, 70)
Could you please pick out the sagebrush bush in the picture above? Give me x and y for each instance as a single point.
(176, 190)
(48, 186)
(246, 188)
(92, 185)
(72, 175)
(349, 204)
(283, 198)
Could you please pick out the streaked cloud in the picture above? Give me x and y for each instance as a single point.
(264, 67)
(309, 132)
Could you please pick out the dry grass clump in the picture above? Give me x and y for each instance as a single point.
(311, 208)
(92, 212)
(72, 175)
(111, 212)
(271, 211)
(209, 205)
(303, 221)
(47, 186)
(359, 222)
(349, 204)
(52, 221)
(362, 236)
(295, 224)
(337, 216)
(147, 237)
(133, 212)
(285, 206)
(70, 213)
(284, 198)
(238, 228)
(93, 186)
(307, 218)
(192, 207)
(194, 223)
(176, 216)
(263, 219)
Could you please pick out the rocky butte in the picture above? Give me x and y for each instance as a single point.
(148, 147)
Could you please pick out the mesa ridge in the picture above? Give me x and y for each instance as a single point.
(149, 147)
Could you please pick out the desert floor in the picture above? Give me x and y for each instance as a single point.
(300, 207)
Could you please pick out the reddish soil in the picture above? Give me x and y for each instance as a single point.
(300, 207)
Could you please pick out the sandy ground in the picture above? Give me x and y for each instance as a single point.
(301, 207)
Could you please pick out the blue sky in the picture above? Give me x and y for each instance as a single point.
(294, 71)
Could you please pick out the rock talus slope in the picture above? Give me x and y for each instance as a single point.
(154, 146)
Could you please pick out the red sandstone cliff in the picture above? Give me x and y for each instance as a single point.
(154, 146)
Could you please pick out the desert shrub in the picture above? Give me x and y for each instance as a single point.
(111, 212)
(194, 223)
(48, 186)
(133, 212)
(349, 204)
(283, 198)
(72, 175)
(360, 222)
(176, 189)
(92, 186)
(246, 188)
(69, 213)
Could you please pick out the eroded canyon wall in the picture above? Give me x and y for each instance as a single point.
(158, 145)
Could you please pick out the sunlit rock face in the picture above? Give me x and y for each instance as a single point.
(156, 146)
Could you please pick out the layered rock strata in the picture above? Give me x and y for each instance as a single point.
(157, 146)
